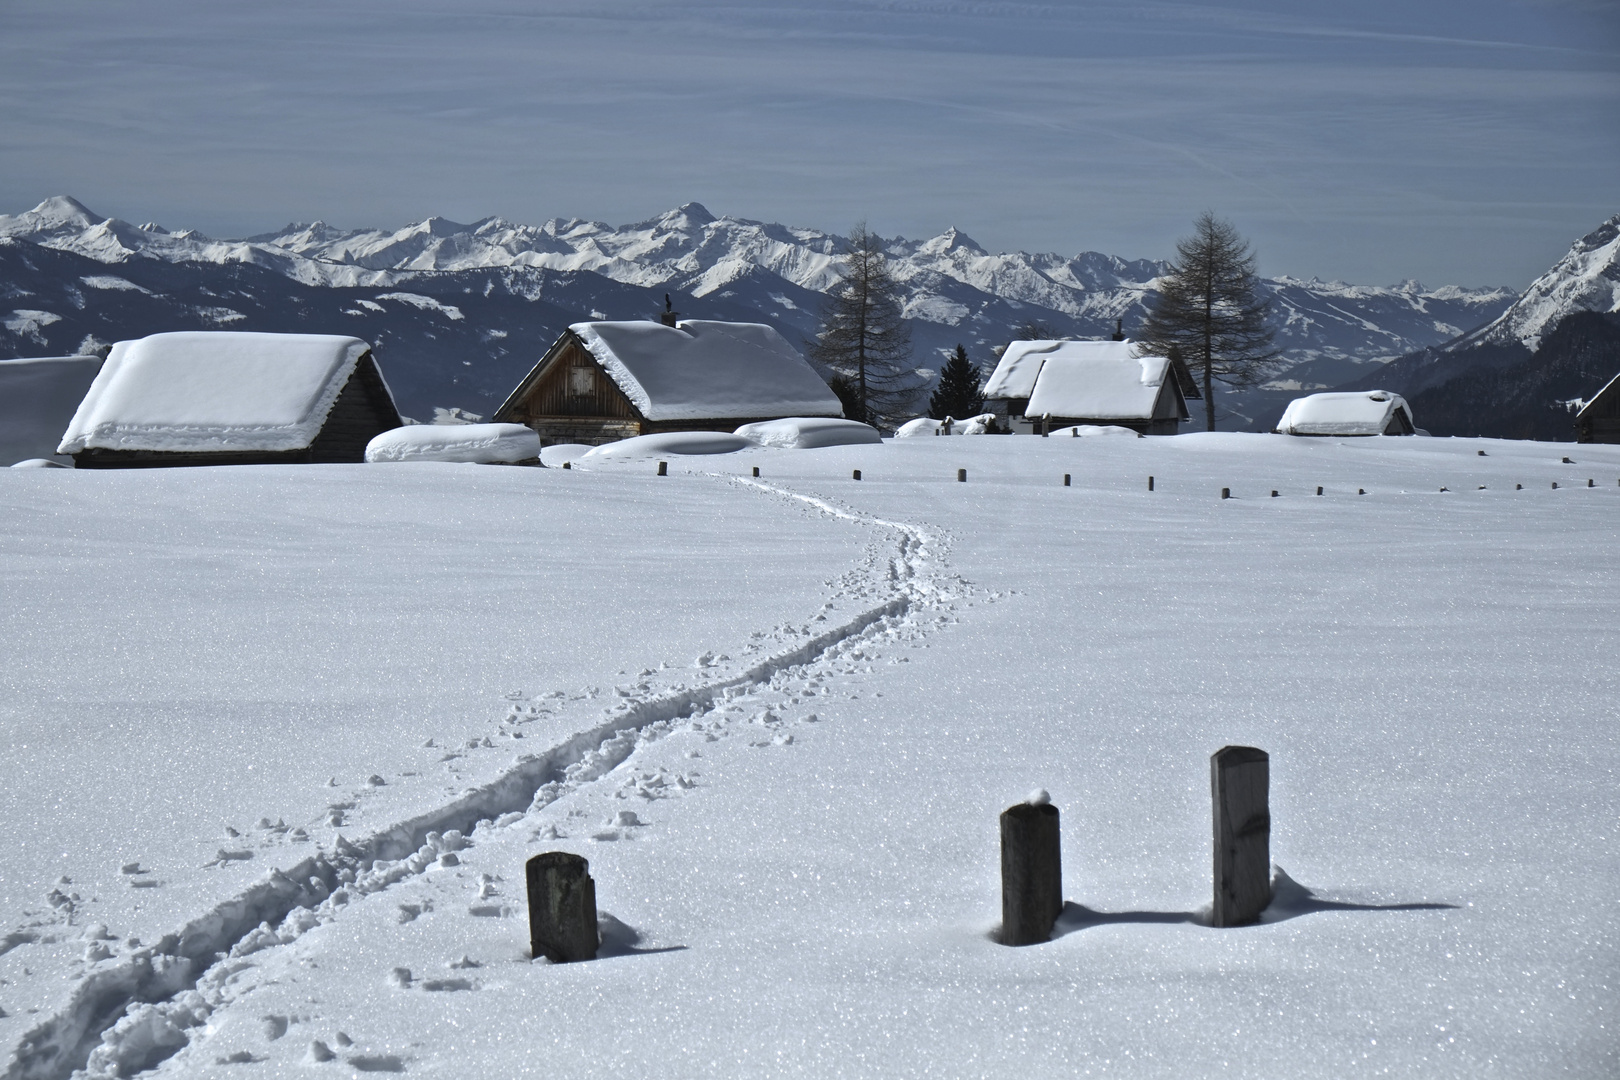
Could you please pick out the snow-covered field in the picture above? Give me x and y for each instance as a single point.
(779, 717)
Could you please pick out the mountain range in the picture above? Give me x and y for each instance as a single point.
(457, 313)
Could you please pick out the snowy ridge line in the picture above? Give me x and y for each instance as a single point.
(130, 1017)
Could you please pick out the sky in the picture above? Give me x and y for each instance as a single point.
(1461, 142)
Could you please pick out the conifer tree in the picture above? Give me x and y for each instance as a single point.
(958, 394)
(1209, 306)
(864, 341)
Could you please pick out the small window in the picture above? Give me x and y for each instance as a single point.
(582, 381)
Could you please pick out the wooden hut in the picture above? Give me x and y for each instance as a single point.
(604, 381)
(213, 398)
(37, 400)
(1599, 419)
(1044, 385)
(1366, 412)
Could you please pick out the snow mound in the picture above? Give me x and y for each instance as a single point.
(40, 463)
(973, 425)
(1088, 431)
(553, 456)
(670, 442)
(809, 432)
(213, 391)
(456, 442)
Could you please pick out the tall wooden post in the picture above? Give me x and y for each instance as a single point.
(562, 907)
(1239, 778)
(1065, 479)
(1150, 483)
(1031, 873)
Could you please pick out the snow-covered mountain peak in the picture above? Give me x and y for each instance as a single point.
(1587, 278)
(952, 239)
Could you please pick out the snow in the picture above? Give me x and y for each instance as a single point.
(1091, 431)
(702, 370)
(1020, 365)
(809, 433)
(456, 442)
(37, 399)
(1360, 413)
(425, 303)
(812, 696)
(1090, 383)
(973, 425)
(665, 443)
(208, 391)
(554, 455)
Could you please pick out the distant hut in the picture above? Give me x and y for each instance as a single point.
(210, 398)
(1043, 385)
(1599, 419)
(1373, 412)
(37, 400)
(604, 381)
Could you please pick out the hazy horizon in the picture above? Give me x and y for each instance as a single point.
(1459, 144)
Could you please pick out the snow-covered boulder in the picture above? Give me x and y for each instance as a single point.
(809, 432)
(485, 443)
(973, 425)
(1089, 431)
(670, 443)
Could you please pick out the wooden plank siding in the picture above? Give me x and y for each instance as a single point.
(363, 410)
(568, 398)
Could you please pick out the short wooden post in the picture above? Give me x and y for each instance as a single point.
(1150, 483)
(1555, 485)
(568, 464)
(961, 476)
(1065, 479)
(1589, 482)
(1568, 462)
(1238, 778)
(562, 907)
(1361, 491)
(1518, 487)
(1319, 489)
(663, 468)
(857, 474)
(756, 471)
(1031, 873)
(1226, 493)
(1482, 453)
(1273, 493)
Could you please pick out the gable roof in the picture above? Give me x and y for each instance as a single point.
(205, 391)
(1100, 384)
(37, 399)
(1612, 385)
(1367, 412)
(700, 369)
(1020, 365)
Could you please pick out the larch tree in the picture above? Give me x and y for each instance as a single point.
(959, 394)
(864, 342)
(1211, 310)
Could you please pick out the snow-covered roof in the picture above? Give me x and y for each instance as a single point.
(1097, 385)
(1367, 412)
(1021, 364)
(1610, 385)
(700, 369)
(37, 399)
(203, 391)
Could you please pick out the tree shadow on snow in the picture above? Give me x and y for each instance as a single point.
(1289, 900)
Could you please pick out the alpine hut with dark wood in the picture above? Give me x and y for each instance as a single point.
(1054, 384)
(216, 398)
(1599, 419)
(605, 381)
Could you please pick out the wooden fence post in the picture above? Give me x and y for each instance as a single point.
(568, 464)
(756, 470)
(1031, 873)
(663, 468)
(562, 907)
(1319, 489)
(1065, 479)
(1150, 483)
(857, 474)
(961, 476)
(1239, 777)
(1226, 493)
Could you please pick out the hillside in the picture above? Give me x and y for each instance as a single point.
(69, 272)
(1524, 374)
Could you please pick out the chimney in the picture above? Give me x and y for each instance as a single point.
(1119, 329)
(669, 314)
